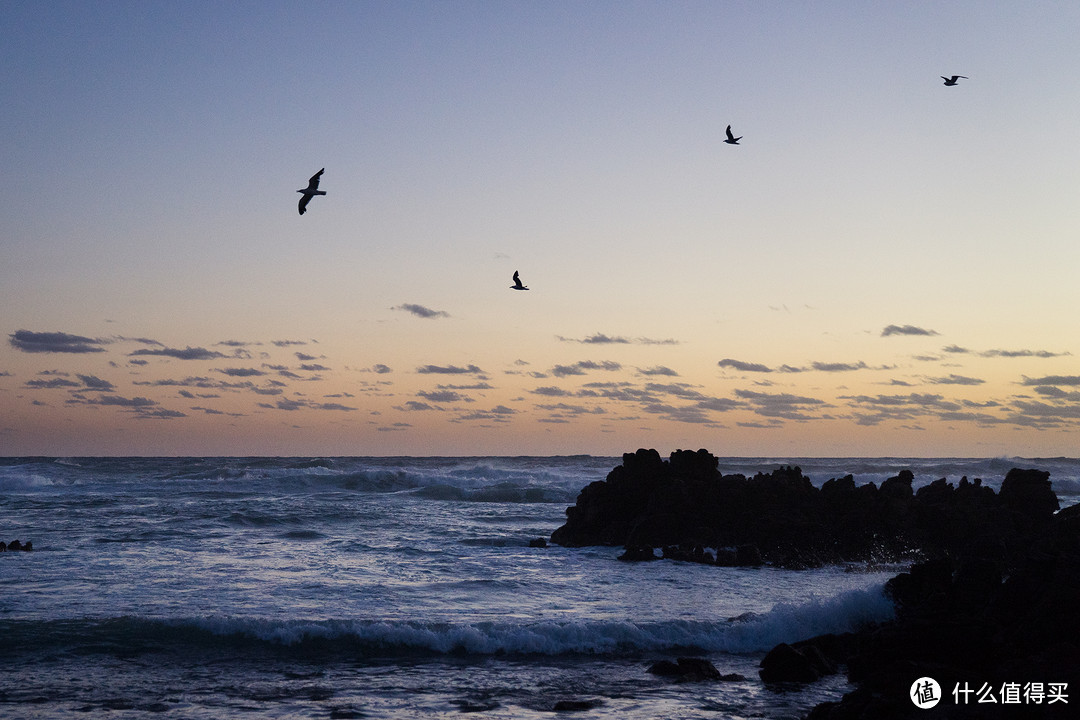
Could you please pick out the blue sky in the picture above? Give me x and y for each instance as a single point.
(684, 292)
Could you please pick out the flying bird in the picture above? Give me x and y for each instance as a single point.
(310, 191)
(517, 283)
(950, 81)
(731, 139)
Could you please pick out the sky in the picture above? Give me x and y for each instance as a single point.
(883, 266)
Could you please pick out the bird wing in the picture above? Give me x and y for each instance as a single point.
(313, 183)
(730, 136)
(303, 202)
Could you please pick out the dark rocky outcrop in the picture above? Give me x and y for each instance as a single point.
(685, 505)
(992, 615)
(994, 598)
(16, 546)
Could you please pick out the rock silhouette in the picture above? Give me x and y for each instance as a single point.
(685, 505)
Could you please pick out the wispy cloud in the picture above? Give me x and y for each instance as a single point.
(953, 379)
(54, 342)
(658, 370)
(906, 330)
(449, 370)
(604, 339)
(241, 372)
(1067, 380)
(742, 366)
(188, 353)
(838, 367)
(583, 366)
(442, 396)
(781, 405)
(421, 311)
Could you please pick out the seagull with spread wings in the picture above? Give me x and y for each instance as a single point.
(731, 139)
(311, 191)
(950, 81)
(517, 283)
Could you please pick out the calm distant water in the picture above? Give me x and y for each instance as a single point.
(389, 588)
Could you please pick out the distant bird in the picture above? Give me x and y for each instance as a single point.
(517, 283)
(731, 139)
(310, 191)
(950, 81)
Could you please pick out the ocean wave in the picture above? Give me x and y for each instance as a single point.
(389, 638)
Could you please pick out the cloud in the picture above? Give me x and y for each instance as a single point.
(744, 366)
(449, 370)
(552, 391)
(906, 330)
(92, 382)
(413, 405)
(782, 405)
(116, 401)
(955, 349)
(441, 396)
(381, 369)
(658, 370)
(1022, 353)
(838, 367)
(421, 311)
(1068, 380)
(188, 353)
(572, 410)
(499, 413)
(332, 406)
(241, 372)
(603, 339)
(580, 367)
(474, 386)
(288, 343)
(600, 339)
(51, 384)
(159, 414)
(954, 379)
(54, 342)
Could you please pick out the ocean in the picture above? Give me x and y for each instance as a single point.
(393, 588)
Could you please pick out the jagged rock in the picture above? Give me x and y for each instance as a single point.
(538, 543)
(685, 504)
(990, 612)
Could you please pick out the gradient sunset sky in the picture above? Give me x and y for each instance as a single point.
(883, 265)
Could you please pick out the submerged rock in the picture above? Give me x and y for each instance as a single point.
(691, 669)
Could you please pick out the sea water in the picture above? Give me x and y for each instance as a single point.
(391, 588)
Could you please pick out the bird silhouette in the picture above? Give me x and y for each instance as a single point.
(950, 81)
(517, 283)
(731, 139)
(310, 191)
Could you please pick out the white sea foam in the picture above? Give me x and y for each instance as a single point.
(846, 612)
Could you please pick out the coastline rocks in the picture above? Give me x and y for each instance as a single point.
(16, 546)
(990, 615)
(687, 508)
